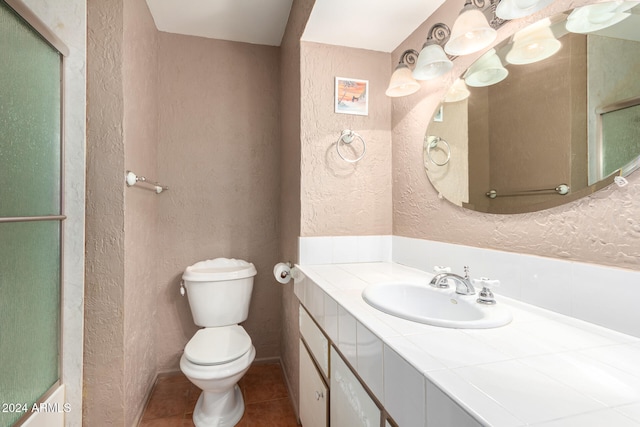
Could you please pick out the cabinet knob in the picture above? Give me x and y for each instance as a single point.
(319, 395)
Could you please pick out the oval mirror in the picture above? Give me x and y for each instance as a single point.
(549, 115)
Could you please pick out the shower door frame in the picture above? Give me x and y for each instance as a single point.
(57, 394)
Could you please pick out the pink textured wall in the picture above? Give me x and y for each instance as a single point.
(219, 152)
(103, 385)
(337, 197)
(290, 112)
(201, 116)
(603, 228)
(140, 76)
(322, 194)
(120, 363)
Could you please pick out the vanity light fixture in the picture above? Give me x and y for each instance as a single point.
(594, 17)
(457, 92)
(402, 82)
(433, 61)
(471, 31)
(533, 43)
(486, 71)
(514, 9)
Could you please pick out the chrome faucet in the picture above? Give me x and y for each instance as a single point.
(463, 284)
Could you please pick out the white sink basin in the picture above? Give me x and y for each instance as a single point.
(437, 307)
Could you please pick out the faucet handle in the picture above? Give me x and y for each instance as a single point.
(486, 282)
(441, 269)
(486, 296)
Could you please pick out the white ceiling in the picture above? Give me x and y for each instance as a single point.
(249, 21)
(368, 24)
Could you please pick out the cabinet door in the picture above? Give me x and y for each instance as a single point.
(351, 406)
(313, 392)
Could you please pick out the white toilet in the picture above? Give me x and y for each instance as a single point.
(217, 356)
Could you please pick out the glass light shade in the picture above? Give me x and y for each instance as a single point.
(432, 63)
(470, 33)
(402, 82)
(457, 92)
(486, 71)
(594, 17)
(514, 9)
(533, 44)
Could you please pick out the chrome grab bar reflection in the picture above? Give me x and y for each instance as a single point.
(562, 189)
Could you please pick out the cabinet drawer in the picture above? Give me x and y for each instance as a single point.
(350, 404)
(316, 341)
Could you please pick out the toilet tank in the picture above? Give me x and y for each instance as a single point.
(219, 291)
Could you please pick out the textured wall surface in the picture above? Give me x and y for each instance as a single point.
(219, 139)
(603, 228)
(337, 197)
(120, 362)
(104, 282)
(290, 184)
(68, 19)
(140, 76)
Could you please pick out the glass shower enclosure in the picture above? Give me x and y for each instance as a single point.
(31, 215)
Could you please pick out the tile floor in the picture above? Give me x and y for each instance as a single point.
(265, 396)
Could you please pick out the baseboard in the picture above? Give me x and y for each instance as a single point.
(138, 418)
(296, 410)
(265, 360)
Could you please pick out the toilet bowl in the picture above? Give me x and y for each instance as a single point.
(216, 371)
(220, 353)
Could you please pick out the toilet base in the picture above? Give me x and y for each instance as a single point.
(219, 410)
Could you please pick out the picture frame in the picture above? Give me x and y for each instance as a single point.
(351, 96)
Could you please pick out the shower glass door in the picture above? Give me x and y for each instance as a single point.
(31, 211)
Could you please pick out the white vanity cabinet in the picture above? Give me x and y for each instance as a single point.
(314, 393)
(351, 378)
(347, 404)
(423, 376)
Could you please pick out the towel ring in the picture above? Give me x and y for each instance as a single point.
(346, 137)
(432, 142)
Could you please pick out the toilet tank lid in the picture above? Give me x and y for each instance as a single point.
(214, 270)
(213, 346)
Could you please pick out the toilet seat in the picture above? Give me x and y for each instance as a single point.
(215, 346)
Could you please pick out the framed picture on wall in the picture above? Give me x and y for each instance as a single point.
(352, 96)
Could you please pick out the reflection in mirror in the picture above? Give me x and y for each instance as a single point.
(618, 143)
(551, 115)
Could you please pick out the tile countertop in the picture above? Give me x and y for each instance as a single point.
(542, 369)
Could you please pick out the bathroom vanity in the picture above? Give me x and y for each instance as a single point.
(362, 367)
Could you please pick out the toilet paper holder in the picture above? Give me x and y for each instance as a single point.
(284, 272)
